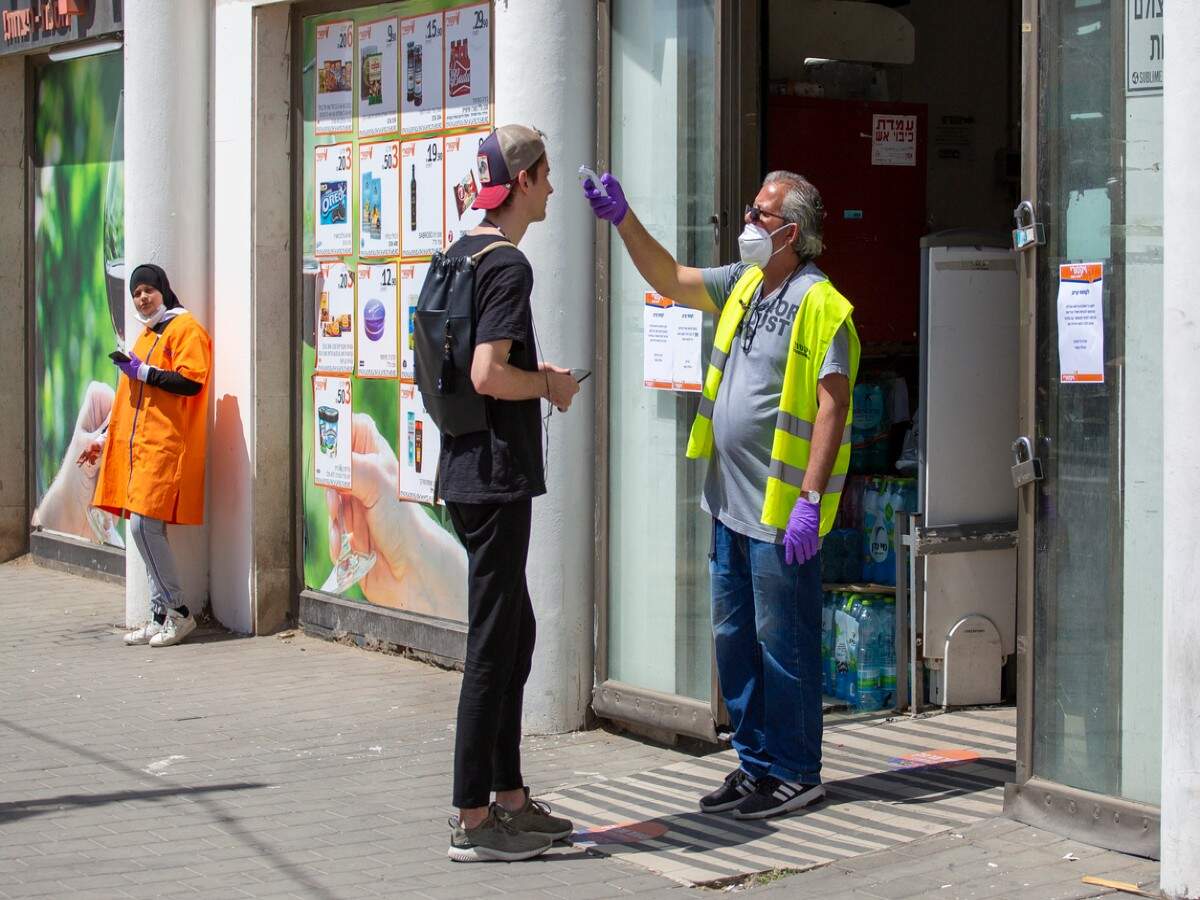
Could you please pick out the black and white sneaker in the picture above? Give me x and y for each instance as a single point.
(737, 787)
(774, 797)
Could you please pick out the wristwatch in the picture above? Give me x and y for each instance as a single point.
(813, 497)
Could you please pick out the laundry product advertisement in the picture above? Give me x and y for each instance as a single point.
(377, 290)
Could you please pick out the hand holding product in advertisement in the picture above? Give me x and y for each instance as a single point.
(608, 199)
(420, 567)
(66, 507)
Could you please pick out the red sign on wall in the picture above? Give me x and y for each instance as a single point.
(37, 24)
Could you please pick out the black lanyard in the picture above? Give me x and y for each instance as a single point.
(757, 311)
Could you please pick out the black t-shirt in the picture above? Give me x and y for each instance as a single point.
(503, 463)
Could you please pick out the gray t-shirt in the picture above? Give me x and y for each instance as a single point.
(748, 400)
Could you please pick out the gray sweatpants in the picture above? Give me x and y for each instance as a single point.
(150, 536)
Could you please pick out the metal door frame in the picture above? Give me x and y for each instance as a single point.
(738, 51)
(1111, 822)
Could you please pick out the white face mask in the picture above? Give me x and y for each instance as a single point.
(154, 318)
(754, 244)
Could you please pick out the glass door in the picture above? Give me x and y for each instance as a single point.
(1096, 394)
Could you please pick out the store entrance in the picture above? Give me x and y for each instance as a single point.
(906, 118)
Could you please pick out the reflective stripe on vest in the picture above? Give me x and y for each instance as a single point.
(822, 312)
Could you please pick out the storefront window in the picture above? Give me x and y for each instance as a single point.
(1099, 594)
(663, 150)
(397, 99)
(78, 283)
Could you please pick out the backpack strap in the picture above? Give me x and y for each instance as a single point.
(476, 257)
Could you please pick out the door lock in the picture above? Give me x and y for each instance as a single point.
(1029, 231)
(1028, 468)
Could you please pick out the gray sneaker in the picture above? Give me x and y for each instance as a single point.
(535, 818)
(494, 839)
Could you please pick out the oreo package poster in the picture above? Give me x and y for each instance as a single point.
(78, 276)
(376, 537)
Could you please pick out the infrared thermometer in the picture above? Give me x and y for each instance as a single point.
(585, 173)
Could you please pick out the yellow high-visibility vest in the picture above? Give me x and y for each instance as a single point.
(822, 312)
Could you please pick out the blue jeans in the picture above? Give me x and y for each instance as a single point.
(767, 627)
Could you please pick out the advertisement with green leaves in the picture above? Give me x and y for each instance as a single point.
(397, 98)
(78, 284)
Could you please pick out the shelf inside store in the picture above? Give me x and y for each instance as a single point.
(859, 588)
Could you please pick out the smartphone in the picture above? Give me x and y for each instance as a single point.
(580, 375)
(585, 173)
(119, 356)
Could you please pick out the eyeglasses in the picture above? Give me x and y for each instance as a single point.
(755, 214)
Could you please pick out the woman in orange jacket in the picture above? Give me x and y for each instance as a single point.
(152, 470)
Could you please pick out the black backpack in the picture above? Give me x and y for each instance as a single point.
(444, 343)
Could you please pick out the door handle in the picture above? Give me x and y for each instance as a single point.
(1028, 467)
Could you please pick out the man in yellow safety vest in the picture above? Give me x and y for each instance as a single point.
(774, 423)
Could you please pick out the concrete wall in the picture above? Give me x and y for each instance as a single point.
(545, 77)
(1180, 831)
(14, 498)
(252, 524)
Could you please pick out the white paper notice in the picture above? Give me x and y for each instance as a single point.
(462, 184)
(332, 414)
(1081, 323)
(468, 66)
(421, 43)
(421, 199)
(420, 446)
(412, 277)
(334, 180)
(378, 289)
(379, 214)
(893, 140)
(378, 111)
(335, 77)
(335, 319)
(671, 345)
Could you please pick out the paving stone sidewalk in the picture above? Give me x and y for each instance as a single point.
(294, 767)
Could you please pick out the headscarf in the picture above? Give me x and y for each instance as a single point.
(148, 273)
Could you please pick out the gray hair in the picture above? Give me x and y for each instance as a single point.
(801, 206)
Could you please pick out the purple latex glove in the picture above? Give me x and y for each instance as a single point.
(611, 208)
(802, 537)
(132, 368)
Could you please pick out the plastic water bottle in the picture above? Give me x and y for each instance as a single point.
(841, 655)
(828, 641)
(870, 664)
(887, 683)
(853, 612)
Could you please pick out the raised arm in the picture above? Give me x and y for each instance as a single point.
(683, 284)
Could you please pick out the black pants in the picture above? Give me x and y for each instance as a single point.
(500, 638)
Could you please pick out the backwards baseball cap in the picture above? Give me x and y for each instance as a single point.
(504, 153)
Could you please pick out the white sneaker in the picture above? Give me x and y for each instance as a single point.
(143, 634)
(174, 630)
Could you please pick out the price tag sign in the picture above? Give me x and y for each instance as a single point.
(335, 77)
(377, 290)
(334, 183)
(412, 277)
(420, 446)
(379, 211)
(462, 184)
(468, 66)
(421, 197)
(378, 111)
(332, 420)
(423, 106)
(335, 319)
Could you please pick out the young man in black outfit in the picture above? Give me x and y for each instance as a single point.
(488, 480)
